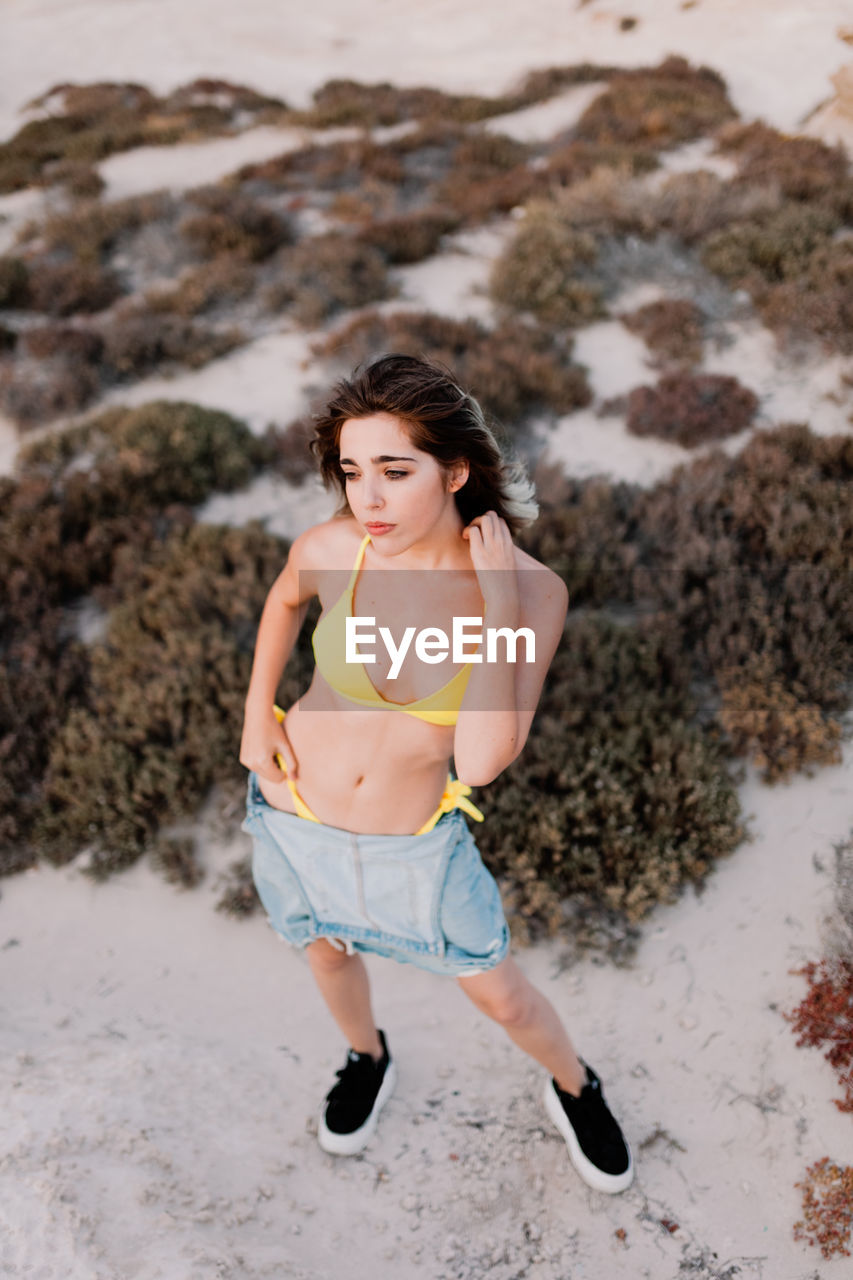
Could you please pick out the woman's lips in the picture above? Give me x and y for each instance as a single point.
(379, 528)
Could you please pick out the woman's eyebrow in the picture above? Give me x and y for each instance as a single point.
(383, 457)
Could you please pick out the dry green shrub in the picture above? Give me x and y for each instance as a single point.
(328, 273)
(545, 269)
(68, 288)
(514, 368)
(801, 168)
(657, 106)
(410, 237)
(773, 723)
(342, 102)
(164, 708)
(751, 555)
(86, 123)
(80, 495)
(797, 269)
(671, 329)
(617, 797)
(771, 250)
(691, 408)
(42, 674)
(203, 288)
(82, 514)
(234, 225)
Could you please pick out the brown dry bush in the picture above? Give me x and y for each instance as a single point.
(69, 288)
(694, 205)
(33, 392)
(800, 168)
(14, 282)
(773, 723)
(123, 766)
(490, 173)
(618, 798)
(515, 368)
(290, 454)
(93, 230)
(234, 225)
(545, 269)
(80, 180)
(657, 106)
(327, 166)
(86, 123)
(410, 237)
(670, 327)
(203, 288)
(691, 408)
(570, 162)
(138, 340)
(328, 273)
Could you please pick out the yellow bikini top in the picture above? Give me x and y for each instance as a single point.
(351, 679)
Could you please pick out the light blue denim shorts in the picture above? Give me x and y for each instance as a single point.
(426, 900)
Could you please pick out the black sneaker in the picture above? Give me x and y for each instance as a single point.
(597, 1148)
(353, 1104)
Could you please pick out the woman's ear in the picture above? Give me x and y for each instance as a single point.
(457, 476)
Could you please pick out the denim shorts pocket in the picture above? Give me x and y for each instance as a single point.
(472, 915)
(279, 889)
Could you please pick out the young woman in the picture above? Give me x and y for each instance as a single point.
(359, 840)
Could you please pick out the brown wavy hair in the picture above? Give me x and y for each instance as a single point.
(442, 420)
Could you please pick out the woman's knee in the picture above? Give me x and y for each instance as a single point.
(507, 998)
(323, 957)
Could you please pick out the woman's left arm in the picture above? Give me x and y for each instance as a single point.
(501, 696)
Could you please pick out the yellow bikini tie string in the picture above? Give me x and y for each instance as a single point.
(454, 798)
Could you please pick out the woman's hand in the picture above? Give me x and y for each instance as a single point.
(263, 739)
(492, 548)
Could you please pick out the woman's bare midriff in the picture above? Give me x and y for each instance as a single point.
(363, 769)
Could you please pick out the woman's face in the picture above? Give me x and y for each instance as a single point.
(397, 493)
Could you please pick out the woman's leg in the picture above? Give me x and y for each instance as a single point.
(345, 987)
(528, 1018)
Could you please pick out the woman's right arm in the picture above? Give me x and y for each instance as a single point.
(281, 622)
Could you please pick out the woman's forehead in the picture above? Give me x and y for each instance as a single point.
(380, 434)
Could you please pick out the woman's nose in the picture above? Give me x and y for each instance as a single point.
(372, 495)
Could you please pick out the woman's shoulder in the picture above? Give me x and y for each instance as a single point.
(539, 587)
(333, 544)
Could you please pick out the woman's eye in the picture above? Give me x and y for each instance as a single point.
(349, 475)
(396, 475)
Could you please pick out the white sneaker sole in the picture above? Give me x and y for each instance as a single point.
(609, 1183)
(349, 1144)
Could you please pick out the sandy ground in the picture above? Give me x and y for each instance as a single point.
(163, 1065)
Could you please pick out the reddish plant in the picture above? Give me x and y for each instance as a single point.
(825, 1018)
(827, 1218)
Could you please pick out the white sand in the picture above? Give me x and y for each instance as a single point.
(164, 1064)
